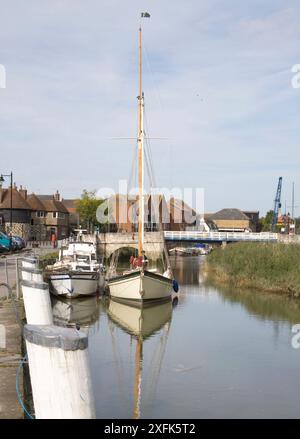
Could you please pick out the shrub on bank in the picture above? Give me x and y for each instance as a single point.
(48, 259)
(271, 267)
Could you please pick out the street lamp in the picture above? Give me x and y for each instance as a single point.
(11, 202)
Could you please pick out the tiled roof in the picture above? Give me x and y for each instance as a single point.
(35, 203)
(53, 205)
(18, 202)
(69, 204)
(229, 214)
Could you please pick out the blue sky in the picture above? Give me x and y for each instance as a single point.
(217, 82)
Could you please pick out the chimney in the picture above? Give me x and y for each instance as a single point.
(23, 192)
(57, 196)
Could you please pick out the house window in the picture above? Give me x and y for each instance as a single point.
(40, 214)
(61, 215)
(55, 215)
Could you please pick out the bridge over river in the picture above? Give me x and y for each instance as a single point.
(219, 237)
(108, 243)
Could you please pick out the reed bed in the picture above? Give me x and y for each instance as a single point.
(264, 266)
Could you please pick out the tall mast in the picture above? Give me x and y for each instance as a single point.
(293, 201)
(140, 151)
(138, 379)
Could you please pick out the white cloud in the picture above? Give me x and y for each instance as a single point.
(220, 90)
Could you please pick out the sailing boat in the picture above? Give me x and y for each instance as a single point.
(141, 283)
(141, 322)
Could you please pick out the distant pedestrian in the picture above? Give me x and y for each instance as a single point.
(53, 240)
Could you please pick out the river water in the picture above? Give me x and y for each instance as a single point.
(213, 353)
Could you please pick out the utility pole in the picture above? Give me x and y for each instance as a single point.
(293, 208)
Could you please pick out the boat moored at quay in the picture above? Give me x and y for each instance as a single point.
(77, 272)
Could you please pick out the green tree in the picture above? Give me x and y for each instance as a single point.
(267, 221)
(297, 225)
(87, 207)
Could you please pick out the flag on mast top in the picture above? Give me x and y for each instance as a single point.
(145, 15)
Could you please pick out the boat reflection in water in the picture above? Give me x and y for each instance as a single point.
(82, 311)
(141, 321)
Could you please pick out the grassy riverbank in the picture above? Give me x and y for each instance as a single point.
(267, 267)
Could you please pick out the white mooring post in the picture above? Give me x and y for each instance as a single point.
(32, 274)
(30, 262)
(37, 303)
(59, 372)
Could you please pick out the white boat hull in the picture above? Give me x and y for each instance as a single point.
(140, 286)
(84, 311)
(140, 320)
(74, 284)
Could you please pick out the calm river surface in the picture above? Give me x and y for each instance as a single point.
(216, 354)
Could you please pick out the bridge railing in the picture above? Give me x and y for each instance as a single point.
(219, 236)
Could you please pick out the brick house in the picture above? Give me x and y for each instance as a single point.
(14, 201)
(174, 215)
(230, 220)
(74, 219)
(34, 217)
(38, 218)
(57, 216)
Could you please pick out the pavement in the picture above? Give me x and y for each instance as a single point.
(10, 335)
(10, 355)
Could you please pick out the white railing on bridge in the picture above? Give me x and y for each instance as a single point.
(219, 236)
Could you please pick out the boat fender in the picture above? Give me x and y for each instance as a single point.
(175, 286)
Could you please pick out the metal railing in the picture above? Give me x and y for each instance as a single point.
(219, 236)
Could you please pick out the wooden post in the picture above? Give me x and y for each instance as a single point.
(59, 372)
(37, 303)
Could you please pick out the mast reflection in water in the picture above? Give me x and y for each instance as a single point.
(140, 322)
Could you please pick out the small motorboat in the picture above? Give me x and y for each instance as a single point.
(77, 272)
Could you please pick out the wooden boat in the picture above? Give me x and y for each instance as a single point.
(140, 283)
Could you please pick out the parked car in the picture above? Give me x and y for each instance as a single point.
(4, 241)
(19, 242)
(2, 249)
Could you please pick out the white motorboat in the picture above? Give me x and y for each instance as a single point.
(140, 283)
(77, 272)
(190, 251)
(83, 312)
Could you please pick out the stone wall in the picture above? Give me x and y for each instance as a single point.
(19, 229)
(108, 243)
